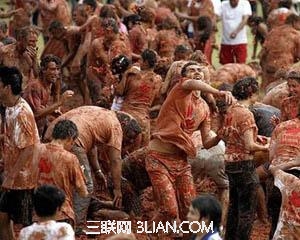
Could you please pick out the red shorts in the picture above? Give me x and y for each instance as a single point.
(233, 53)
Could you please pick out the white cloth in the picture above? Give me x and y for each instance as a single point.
(231, 18)
(217, 7)
(48, 231)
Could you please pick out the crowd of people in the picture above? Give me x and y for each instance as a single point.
(123, 96)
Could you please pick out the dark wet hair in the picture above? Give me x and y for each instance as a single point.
(128, 123)
(91, 3)
(55, 25)
(133, 18)
(147, 14)
(291, 19)
(184, 68)
(47, 199)
(110, 23)
(13, 77)
(204, 24)
(25, 31)
(107, 11)
(182, 48)
(49, 58)
(65, 129)
(256, 20)
(3, 26)
(120, 64)
(244, 88)
(208, 206)
(150, 57)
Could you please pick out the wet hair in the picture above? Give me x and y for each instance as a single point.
(13, 77)
(133, 18)
(292, 19)
(244, 88)
(80, 9)
(150, 57)
(110, 23)
(3, 26)
(209, 207)
(285, 4)
(293, 74)
(182, 48)
(107, 11)
(55, 25)
(256, 20)
(47, 199)
(128, 123)
(120, 64)
(49, 58)
(167, 24)
(65, 129)
(204, 24)
(225, 87)
(23, 33)
(280, 73)
(147, 14)
(91, 3)
(199, 57)
(185, 67)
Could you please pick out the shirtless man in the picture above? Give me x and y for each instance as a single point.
(53, 10)
(22, 54)
(278, 16)
(281, 49)
(104, 128)
(38, 93)
(101, 53)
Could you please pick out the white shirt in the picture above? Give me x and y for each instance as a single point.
(49, 230)
(231, 18)
(217, 7)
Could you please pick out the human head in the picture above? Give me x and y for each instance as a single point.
(90, 6)
(293, 82)
(131, 128)
(3, 29)
(245, 88)
(293, 20)
(205, 208)
(192, 70)
(205, 27)
(108, 11)
(120, 64)
(254, 21)
(131, 20)
(233, 3)
(149, 59)
(26, 37)
(47, 199)
(182, 52)
(10, 83)
(57, 29)
(147, 15)
(199, 56)
(79, 15)
(110, 27)
(65, 130)
(50, 68)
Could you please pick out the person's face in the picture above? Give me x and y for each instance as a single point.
(129, 137)
(69, 144)
(195, 72)
(193, 216)
(51, 73)
(4, 93)
(79, 18)
(294, 87)
(32, 39)
(58, 33)
(233, 3)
